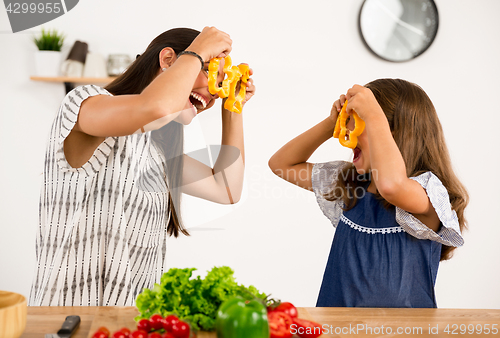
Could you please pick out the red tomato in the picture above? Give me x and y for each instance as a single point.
(99, 334)
(119, 334)
(167, 335)
(169, 322)
(279, 324)
(139, 334)
(154, 335)
(144, 325)
(288, 308)
(180, 330)
(306, 328)
(156, 321)
(126, 331)
(104, 329)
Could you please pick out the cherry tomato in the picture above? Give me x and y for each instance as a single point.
(288, 308)
(156, 321)
(144, 325)
(167, 335)
(105, 330)
(306, 328)
(139, 334)
(119, 334)
(169, 322)
(180, 330)
(126, 331)
(99, 334)
(154, 335)
(279, 324)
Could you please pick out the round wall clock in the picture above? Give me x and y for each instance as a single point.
(398, 30)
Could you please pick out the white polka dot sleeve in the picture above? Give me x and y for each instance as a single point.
(449, 233)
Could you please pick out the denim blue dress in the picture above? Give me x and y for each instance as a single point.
(382, 257)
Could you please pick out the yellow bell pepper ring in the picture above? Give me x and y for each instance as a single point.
(340, 130)
(235, 103)
(213, 72)
(227, 90)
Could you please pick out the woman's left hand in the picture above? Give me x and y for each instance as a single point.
(250, 89)
(363, 102)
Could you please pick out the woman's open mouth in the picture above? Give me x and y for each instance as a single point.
(198, 101)
(357, 154)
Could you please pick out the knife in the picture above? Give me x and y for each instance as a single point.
(67, 329)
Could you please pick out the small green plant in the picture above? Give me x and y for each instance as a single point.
(49, 40)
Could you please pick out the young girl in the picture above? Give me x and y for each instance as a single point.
(112, 188)
(398, 208)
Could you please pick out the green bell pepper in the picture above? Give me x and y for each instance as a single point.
(240, 318)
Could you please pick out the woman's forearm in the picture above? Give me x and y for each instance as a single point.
(230, 165)
(168, 92)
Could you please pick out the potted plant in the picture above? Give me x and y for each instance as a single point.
(48, 56)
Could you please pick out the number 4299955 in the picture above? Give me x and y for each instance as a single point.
(24, 7)
(471, 329)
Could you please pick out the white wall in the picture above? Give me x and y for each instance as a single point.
(304, 55)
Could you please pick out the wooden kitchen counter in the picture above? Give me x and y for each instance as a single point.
(336, 322)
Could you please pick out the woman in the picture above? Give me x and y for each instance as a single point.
(112, 187)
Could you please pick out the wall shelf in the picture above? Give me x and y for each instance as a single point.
(69, 82)
(73, 79)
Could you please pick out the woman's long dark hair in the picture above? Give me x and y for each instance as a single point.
(419, 136)
(133, 81)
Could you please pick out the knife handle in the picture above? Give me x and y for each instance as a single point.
(69, 326)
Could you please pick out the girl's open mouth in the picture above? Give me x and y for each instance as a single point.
(357, 153)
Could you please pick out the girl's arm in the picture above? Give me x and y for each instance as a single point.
(289, 162)
(166, 95)
(387, 164)
(224, 183)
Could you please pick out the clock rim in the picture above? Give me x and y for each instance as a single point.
(435, 9)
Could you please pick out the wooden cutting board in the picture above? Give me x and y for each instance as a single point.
(115, 318)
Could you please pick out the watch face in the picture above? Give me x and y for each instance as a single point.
(398, 30)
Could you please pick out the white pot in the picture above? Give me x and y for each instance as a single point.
(47, 63)
(95, 66)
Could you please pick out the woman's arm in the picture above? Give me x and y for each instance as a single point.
(289, 162)
(166, 95)
(387, 164)
(224, 183)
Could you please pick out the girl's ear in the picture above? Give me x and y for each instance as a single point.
(167, 57)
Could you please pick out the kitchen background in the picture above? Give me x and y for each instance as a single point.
(304, 55)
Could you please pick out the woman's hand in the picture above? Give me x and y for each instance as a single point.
(211, 43)
(250, 89)
(363, 102)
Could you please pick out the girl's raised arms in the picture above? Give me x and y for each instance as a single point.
(387, 164)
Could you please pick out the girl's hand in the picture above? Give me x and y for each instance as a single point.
(336, 108)
(362, 101)
(211, 43)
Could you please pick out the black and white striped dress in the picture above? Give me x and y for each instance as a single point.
(102, 230)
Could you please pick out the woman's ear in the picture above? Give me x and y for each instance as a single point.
(167, 57)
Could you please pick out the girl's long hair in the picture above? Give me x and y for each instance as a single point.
(419, 136)
(133, 81)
